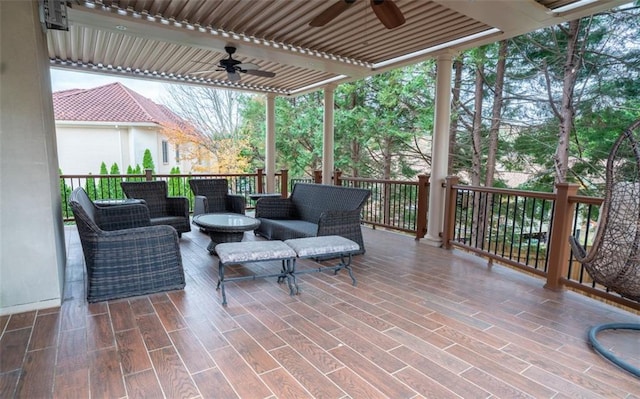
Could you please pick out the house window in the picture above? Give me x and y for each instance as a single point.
(177, 153)
(165, 152)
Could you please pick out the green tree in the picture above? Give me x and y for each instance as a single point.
(177, 186)
(383, 123)
(65, 193)
(90, 187)
(103, 183)
(381, 126)
(115, 190)
(134, 171)
(147, 161)
(578, 77)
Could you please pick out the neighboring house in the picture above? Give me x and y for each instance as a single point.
(114, 124)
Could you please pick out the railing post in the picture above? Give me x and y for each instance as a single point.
(450, 197)
(423, 204)
(317, 176)
(148, 174)
(559, 239)
(260, 183)
(284, 183)
(338, 177)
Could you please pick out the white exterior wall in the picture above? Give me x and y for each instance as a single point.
(82, 147)
(142, 139)
(32, 245)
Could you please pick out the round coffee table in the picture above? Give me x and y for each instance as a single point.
(224, 227)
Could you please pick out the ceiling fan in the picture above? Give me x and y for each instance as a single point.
(235, 67)
(386, 10)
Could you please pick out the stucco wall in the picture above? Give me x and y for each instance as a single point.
(82, 147)
(32, 249)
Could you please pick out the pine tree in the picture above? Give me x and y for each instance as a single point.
(176, 186)
(65, 193)
(134, 171)
(115, 190)
(103, 183)
(147, 161)
(90, 187)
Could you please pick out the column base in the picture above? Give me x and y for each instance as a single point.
(433, 241)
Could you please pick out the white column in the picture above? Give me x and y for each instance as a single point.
(32, 245)
(439, 151)
(270, 144)
(327, 136)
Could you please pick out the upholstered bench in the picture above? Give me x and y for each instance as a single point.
(254, 251)
(323, 247)
(287, 252)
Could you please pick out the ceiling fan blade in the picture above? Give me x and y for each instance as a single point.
(257, 72)
(330, 13)
(388, 13)
(247, 66)
(233, 76)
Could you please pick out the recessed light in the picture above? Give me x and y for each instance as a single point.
(121, 27)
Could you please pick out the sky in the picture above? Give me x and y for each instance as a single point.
(62, 79)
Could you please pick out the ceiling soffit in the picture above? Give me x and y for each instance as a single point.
(172, 39)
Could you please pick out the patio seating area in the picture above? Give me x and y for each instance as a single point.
(422, 322)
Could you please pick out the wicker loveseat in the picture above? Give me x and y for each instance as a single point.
(172, 211)
(124, 255)
(313, 210)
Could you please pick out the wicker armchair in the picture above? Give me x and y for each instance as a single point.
(172, 211)
(212, 196)
(124, 255)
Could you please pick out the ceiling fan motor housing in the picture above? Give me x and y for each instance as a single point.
(228, 64)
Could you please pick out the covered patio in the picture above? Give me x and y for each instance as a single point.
(175, 41)
(422, 322)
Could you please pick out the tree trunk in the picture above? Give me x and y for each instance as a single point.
(476, 135)
(455, 105)
(387, 161)
(477, 236)
(496, 114)
(355, 144)
(567, 111)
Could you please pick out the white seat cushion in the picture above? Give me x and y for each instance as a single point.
(253, 251)
(322, 245)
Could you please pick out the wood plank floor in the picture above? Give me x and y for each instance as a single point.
(422, 322)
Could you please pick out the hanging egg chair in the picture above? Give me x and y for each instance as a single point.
(614, 258)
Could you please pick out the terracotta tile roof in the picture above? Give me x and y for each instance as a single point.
(110, 103)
